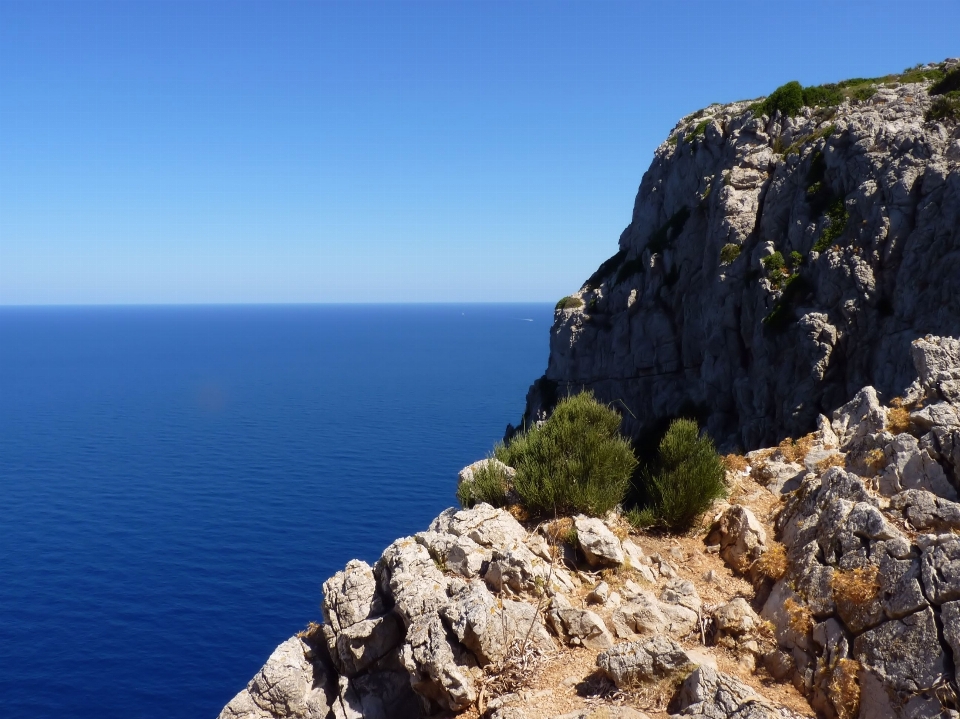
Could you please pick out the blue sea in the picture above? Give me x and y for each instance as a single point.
(177, 482)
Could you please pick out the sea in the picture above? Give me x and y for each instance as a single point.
(177, 482)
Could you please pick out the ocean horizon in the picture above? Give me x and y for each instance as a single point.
(181, 479)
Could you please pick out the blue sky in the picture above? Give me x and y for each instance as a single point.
(168, 152)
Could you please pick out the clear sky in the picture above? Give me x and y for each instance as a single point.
(167, 152)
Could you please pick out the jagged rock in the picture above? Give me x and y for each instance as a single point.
(376, 695)
(599, 594)
(632, 663)
(736, 618)
(909, 467)
(407, 573)
(476, 618)
(578, 626)
(937, 360)
(456, 554)
(925, 510)
(709, 693)
(361, 645)
(741, 537)
(485, 525)
(289, 686)
(350, 596)
(905, 653)
(632, 554)
(681, 592)
(516, 569)
(642, 613)
(950, 617)
(599, 545)
(860, 417)
(439, 670)
(940, 568)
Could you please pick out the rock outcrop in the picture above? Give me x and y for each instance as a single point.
(696, 314)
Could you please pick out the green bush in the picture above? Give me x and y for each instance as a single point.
(575, 462)
(837, 212)
(490, 484)
(569, 303)
(685, 481)
(728, 253)
(796, 259)
(774, 262)
(949, 83)
(822, 95)
(788, 99)
(945, 107)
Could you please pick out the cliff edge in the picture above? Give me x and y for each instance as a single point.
(775, 263)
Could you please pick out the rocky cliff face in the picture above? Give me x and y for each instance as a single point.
(862, 202)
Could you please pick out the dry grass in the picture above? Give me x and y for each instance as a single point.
(856, 586)
(313, 631)
(875, 460)
(773, 562)
(735, 463)
(519, 512)
(833, 460)
(510, 674)
(801, 618)
(898, 420)
(844, 688)
(796, 450)
(562, 530)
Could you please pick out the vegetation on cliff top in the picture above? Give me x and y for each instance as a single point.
(578, 462)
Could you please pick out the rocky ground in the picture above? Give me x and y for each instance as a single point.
(827, 584)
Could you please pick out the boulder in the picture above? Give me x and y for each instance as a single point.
(741, 537)
(925, 510)
(579, 627)
(736, 619)
(599, 545)
(904, 653)
(860, 417)
(709, 693)
(632, 663)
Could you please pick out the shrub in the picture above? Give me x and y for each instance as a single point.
(576, 461)
(699, 130)
(898, 420)
(838, 215)
(788, 99)
(796, 259)
(949, 83)
(569, 303)
(774, 262)
(856, 586)
(728, 253)
(735, 463)
(831, 460)
(490, 484)
(795, 450)
(800, 617)
(822, 95)
(772, 563)
(946, 107)
(688, 477)
(844, 688)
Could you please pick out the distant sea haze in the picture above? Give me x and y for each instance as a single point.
(179, 481)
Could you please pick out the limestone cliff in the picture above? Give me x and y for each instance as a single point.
(696, 313)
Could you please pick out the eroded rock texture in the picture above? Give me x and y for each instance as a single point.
(688, 317)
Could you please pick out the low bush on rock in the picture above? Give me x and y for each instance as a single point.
(575, 462)
(490, 484)
(569, 303)
(686, 479)
(772, 563)
(946, 107)
(728, 253)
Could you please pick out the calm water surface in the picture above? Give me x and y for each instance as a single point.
(178, 482)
